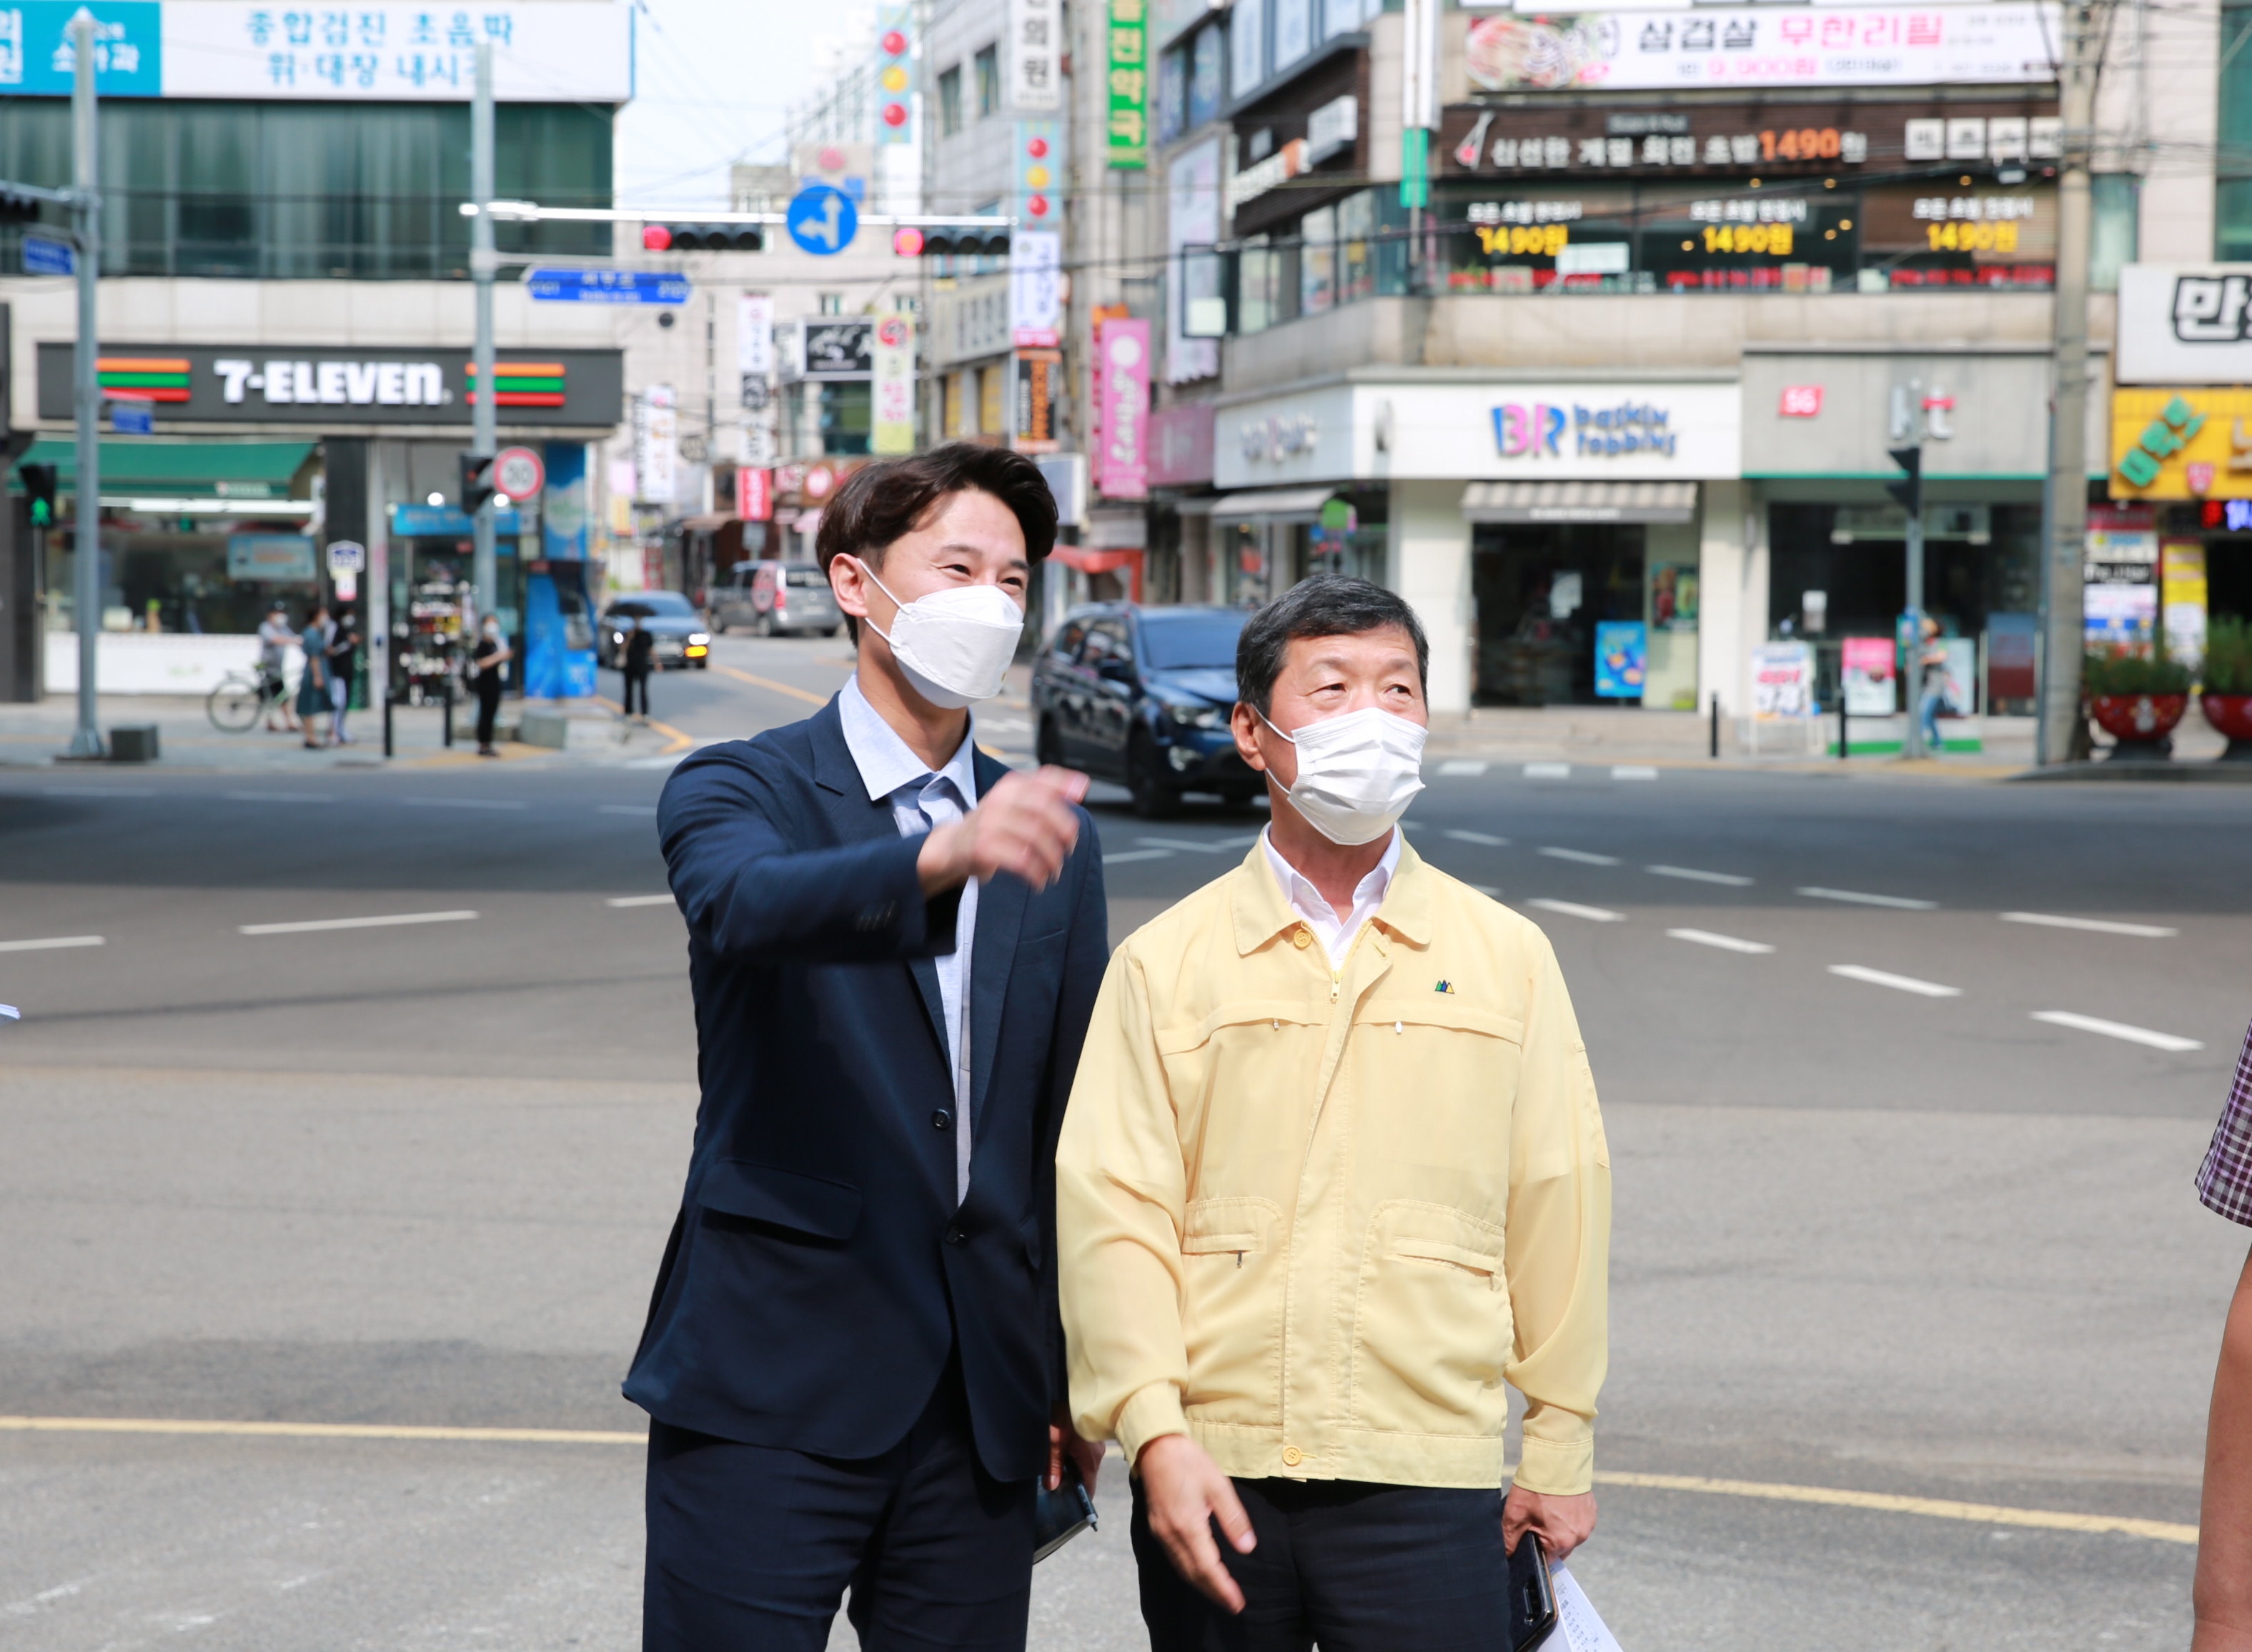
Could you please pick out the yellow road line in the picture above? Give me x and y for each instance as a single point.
(315, 1431)
(681, 741)
(769, 683)
(1878, 1501)
(1934, 1508)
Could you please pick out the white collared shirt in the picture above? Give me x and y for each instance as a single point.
(920, 801)
(1336, 935)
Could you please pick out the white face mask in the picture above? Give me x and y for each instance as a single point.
(953, 646)
(1357, 772)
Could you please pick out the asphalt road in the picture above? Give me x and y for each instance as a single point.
(1873, 1239)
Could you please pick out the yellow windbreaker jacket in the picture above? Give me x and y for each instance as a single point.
(1315, 1218)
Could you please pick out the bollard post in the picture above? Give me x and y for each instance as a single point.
(386, 720)
(1716, 725)
(1843, 743)
(447, 699)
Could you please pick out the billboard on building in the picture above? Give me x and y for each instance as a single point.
(2184, 325)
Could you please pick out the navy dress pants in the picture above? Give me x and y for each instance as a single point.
(751, 1548)
(1343, 1566)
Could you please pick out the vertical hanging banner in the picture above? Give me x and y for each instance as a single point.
(892, 418)
(1035, 55)
(657, 452)
(755, 363)
(1039, 375)
(1127, 72)
(1035, 289)
(754, 495)
(1121, 357)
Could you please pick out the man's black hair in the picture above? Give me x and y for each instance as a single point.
(884, 501)
(1327, 605)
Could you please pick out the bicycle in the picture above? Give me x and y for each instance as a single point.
(243, 699)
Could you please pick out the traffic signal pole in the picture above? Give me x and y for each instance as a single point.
(1910, 492)
(86, 502)
(484, 423)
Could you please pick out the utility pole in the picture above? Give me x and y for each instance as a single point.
(1419, 121)
(484, 423)
(86, 504)
(2061, 726)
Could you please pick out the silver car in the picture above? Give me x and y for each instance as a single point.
(775, 599)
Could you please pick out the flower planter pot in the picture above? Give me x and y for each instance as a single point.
(2141, 723)
(2231, 714)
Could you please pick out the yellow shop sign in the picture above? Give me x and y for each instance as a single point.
(2181, 444)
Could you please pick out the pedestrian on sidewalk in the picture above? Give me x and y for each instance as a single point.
(1931, 663)
(2223, 1592)
(274, 639)
(852, 1364)
(637, 660)
(1332, 1172)
(313, 686)
(490, 662)
(343, 671)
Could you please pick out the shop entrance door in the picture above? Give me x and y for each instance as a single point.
(1541, 589)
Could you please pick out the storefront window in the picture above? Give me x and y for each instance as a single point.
(1204, 54)
(1540, 590)
(199, 575)
(1172, 93)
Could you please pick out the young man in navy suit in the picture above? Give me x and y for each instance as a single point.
(854, 1365)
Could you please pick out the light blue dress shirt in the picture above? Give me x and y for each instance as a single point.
(920, 801)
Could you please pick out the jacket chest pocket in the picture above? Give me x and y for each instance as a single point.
(1432, 1328)
(1241, 1077)
(1433, 1081)
(1232, 1309)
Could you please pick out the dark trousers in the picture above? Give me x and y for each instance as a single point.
(1345, 1565)
(751, 1547)
(488, 708)
(636, 680)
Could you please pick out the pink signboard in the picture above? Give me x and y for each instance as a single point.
(1121, 358)
(1180, 446)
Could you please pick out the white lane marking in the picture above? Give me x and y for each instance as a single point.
(1572, 909)
(1486, 838)
(1548, 771)
(640, 900)
(1725, 943)
(1137, 854)
(9, 1012)
(1898, 983)
(458, 803)
(386, 922)
(1195, 845)
(98, 791)
(283, 797)
(2099, 925)
(1694, 875)
(1467, 768)
(2168, 1041)
(1859, 899)
(1005, 725)
(645, 810)
(50, 942)
(1581, 856)
(1633, 771)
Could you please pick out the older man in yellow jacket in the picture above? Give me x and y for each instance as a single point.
(1333, 1174)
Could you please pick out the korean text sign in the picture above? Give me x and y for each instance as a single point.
(1122, 389)
(1126, 132)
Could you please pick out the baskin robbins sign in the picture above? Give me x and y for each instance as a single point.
(1533, 430)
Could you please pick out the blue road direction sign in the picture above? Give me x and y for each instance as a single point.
(133, 418)
(823, 220)
(43, 257)
(605, 287)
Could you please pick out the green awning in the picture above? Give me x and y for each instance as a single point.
(178, 469)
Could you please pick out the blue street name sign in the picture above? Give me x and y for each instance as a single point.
(43, 257)
(823, 220)
(605, 287)
(133, 418)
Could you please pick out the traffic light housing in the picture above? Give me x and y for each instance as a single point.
(1908, 491)
(40, 484)
(476, 482)
(938, 241)
(894, 75)
(17, 207)
(703, 238)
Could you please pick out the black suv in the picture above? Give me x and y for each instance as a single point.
(1143, 696)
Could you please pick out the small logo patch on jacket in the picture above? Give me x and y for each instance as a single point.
(1444, 985)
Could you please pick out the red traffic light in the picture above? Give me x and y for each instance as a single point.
(1036, 205)
(895, 43)
(1037, 149)
(907, 243)
(656, 237)
(895, 114)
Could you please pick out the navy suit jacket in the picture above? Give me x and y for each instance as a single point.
(820, 1271)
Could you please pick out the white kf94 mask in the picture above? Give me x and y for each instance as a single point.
(1357, 772)
(953, 646)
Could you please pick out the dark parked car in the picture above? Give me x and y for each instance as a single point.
(775, 599)
(1143, 696)
(678, 634)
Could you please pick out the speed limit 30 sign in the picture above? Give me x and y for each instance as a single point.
(519, 473)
